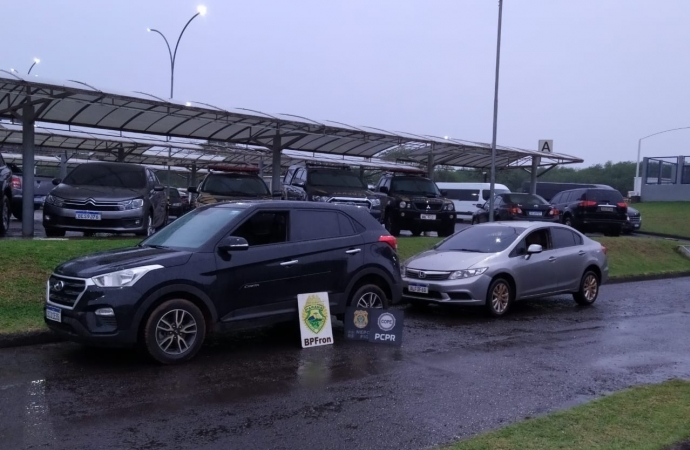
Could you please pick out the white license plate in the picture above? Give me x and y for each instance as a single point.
(418, 288)
(53, 313)
(606, 208)
(87, 215)
(535, 213)
(428, 216)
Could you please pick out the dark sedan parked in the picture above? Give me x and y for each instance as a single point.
(515, 206)
(106, 198)
(224, 266)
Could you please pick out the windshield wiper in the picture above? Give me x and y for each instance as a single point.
(470, 250)
(160, 247)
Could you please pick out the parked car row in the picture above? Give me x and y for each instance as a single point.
(239, 264)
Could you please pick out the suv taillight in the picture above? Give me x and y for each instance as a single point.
(16, 182)
(390, 240)
(622, 205)
(587, 203)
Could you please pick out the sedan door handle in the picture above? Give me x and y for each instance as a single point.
(552, 259)
(581, 253)
(353, 251)
(289, 263)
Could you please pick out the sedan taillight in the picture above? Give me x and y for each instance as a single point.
(554, 212)
(515, 210)
(603, 249)
(16, 182)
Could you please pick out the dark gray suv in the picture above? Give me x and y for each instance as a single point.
(106, 198)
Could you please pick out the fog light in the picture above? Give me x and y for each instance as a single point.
(49, 218)
(451, 216)
(137, 222)
(105, 312)
(402, 214)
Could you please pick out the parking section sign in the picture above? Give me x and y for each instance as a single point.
(314, 319)
(380, 326)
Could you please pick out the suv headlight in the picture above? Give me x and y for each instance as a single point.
(132, 204)
(123, 278)
(403, 204)
(375, 202)
(320, 198)
(467, 273)
(55, 201)
(449, 207)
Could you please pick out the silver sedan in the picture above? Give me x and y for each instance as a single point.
(495, 264)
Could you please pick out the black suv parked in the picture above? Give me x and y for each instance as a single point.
(106, 198)
(226, 183)
(223, 266)
(592, 210)
(5, 196)
(338, 185)
(414, 203)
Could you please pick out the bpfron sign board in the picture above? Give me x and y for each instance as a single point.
(314, 319)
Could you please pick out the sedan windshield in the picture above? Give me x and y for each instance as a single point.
(110, 175)
(193, 230)
(335, 178)
(481, 239)
(414, 185)
(524, 199)
(235, 185)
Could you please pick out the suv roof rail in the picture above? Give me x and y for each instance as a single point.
(229, 168)
(328, 165)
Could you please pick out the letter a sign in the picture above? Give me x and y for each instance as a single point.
(546, 146)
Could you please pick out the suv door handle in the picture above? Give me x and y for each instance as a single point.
(353, 251)
(289, 263)
(552, 259)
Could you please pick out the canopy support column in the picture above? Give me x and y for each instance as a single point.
(28, 170)
(261, 168)
(193, 182)
(63, 165)
(430, 163)
(533, 175)
(276, 188)
(120, 154)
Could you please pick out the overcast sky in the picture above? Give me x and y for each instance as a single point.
(593, 75)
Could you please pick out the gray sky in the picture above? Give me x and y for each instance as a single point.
(594, 75)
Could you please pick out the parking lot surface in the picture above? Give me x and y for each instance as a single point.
(457, 373)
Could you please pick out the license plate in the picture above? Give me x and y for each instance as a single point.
(87, 215)
(418, 288)
(428, 216)
(534, 213)
(606, 208)
(53, 313)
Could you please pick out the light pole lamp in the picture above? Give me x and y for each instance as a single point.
(639, 152)
(36, 61)
(201, 11)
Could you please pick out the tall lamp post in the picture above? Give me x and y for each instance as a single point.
(36, 61)
(200, 11)
(639, 152)
(493, 140)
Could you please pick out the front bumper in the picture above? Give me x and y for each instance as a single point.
(464, 291)
(410, 218)
(130, 221)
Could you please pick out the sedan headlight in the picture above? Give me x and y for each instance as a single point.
(375, 202)
(403, 204)
(55, 201)
(123, 278)
(320, 198)
(132, 204)
(467, 273)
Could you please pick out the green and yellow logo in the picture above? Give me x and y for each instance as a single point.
(314, 314)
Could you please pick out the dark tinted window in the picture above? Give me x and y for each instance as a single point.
(414, 185)
(229, 184)
(519, 199)
(558, 198)
(174, 193)
(486, 193)
(604, 195)
(562, 238)
(464, 194)
(289, 174)
(309, 225)
(335, 178)
(193, 230)
(481, 239)
(539, 237)
(264, 228)
(111, 175)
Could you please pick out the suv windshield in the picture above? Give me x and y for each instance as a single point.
(194, 229)
(335, 178)
(524, 198)
(229, 184)
(481, 239)
(414, 185)
(604, 195)
(111, 175)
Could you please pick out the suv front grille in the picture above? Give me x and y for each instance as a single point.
(65, 291)
(422, 206)
(91, 205)
(351, 201)
(426, 275)
(635, 219)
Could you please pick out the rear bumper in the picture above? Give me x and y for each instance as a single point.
(130, 221)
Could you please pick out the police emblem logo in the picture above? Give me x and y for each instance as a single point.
(314, 314)
(361, 319)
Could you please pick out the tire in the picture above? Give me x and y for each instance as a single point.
(17, 213)
(568, 221)
(369, 296)
(149, 230)
(416, 232)
(392, 225)
(186, 336)
(499, 297)
(5, 214)
(89, 234)
(54, 232)
(589, 289)
(615, 232)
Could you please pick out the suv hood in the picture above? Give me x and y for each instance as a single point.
(98, 193)
(207, 199)
(341, 192)
(449, 260)
(120, 259)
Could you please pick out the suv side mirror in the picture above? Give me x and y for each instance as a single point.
(56, 181)
(534, 248)
(383, 190)
(233, 244)
(192, 189)
(444, 193)
(159, 188)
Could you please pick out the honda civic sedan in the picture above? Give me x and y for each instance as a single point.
(495, 264)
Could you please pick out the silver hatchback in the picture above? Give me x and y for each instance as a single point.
(495, 264)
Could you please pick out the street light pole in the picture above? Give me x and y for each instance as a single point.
(493, 140)
(36, 61)
(639, 147)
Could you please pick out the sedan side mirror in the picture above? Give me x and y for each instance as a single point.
(159, 188)
(383, 190)
(233, 244)
(192, 189)
(534, 248)
(56, 181)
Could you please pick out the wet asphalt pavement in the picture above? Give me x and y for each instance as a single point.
(457, 373)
